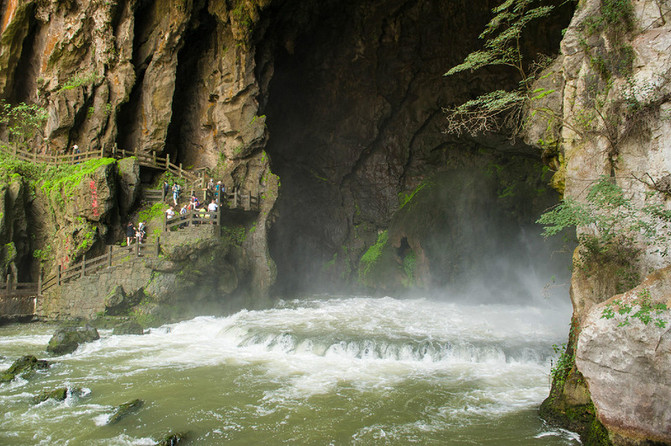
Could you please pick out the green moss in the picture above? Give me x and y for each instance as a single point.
(409, 265)
(372, 256)
(66, 178)
(236, 235)
(405, 198)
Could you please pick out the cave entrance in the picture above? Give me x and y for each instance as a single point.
(354, 113)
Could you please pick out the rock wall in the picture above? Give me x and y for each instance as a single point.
(613, 76)
(197, 271)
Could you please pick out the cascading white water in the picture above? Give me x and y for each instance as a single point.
(338, 370)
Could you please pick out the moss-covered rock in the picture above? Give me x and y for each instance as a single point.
(66, 339)
(125, 409)
(57, 394)
(23, 367)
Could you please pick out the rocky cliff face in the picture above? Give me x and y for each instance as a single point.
(613, 77)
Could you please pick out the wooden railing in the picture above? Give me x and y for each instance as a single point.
(114, 256)
(66, 158)
(18, 289)
(195, 177)
(192, 218)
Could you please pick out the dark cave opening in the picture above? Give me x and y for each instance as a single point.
(355, 122)
(128, 122)
(24, 84)
(198, 40)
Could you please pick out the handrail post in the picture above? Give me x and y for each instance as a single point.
(167, 161)
(109, 256)
(165, 222)
(137, 248)
(9, 285)
(153, 157)
(219, 221)
(158, 245)
(39, 282)
(59, 275)
(83, 273)
(180, 170)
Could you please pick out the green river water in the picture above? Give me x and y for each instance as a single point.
(317, 371)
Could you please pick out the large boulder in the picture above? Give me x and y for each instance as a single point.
(23, 367)
(67, 339)
(624, 354)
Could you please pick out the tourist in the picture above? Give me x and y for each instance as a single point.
(212, 207)
(210, 189)
(140, 232)
(166, 189)
(130, 233)
(175, 193)
(194, 202)
(182, 213)
(170, 213)
(219, 190)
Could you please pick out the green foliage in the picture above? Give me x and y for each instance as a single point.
(60, 181)
(372, 255)
(502, 36)
(409, 265)
(235, 234)
(79, 80)
(561, 368)
(616, 21)
(156, 211)
(405, 198)
(647, 311)
(23, 121)
(43, 254)
(617, 224)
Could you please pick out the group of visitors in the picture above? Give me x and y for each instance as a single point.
(135, 233)
(214, 192)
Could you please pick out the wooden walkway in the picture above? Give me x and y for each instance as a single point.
(115, 255)
(20, 299)
(194, 177)
(65, 158)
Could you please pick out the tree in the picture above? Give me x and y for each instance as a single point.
(23, 121)
(501, 108)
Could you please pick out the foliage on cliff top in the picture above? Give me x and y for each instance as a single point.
(23, 121)
(613, 230)
(67, 177)
(502, 37)
(49, 176)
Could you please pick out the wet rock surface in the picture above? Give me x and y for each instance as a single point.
(125, 410)
(24, 367)
(66, 340)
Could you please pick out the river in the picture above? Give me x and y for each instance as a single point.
(326, 370)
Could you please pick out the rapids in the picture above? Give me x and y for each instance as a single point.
(322, 371)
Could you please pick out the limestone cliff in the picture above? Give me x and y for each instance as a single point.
(613, 76)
